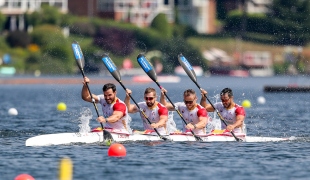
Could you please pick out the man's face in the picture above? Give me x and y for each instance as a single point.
(226, 100)
(190, 101)
(109, 96)
(150, 99)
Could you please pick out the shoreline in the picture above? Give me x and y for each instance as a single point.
(54, 80)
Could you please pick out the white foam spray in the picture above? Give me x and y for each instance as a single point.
(85, 116)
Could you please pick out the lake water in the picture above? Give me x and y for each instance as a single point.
(283, 115)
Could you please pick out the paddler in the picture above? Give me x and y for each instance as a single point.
(154, 111)
(194, 114)
(115, 113)
(231, 112)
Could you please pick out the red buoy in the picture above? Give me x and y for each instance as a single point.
(24, 177)
(117, 150)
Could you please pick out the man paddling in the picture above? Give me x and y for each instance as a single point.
(153, 110)
(115, 112)
(231, 112)
(194, 114)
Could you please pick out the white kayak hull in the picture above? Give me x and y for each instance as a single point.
(96, 137)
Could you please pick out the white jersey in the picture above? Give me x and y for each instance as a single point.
(230, 115)
(122, 125)
(154, 116)
(192, 116)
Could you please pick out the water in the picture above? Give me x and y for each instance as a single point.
(283, 115)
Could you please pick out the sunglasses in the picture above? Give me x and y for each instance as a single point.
(149, 98)
(225, 100)
(188, 102)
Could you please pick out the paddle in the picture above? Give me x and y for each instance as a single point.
(80, 62)
(191, 73)
(149, 70)
(109, 64)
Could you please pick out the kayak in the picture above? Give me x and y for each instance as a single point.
(97, 137)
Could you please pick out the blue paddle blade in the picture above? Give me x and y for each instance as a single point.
(147, 67)
(109, 64)
(187, 67)
(78, 55)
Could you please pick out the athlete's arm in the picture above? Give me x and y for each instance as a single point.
(203, 101)
(119, 110)
(202, 120)
(117, 115)
(238, 123)
(163, 118)
(240, 116)
(163, 100)
(131, 107)
(85, 93)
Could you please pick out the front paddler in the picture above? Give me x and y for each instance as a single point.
(114, 110)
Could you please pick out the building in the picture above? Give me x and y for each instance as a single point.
(258, 6)
(199, 14)
(15, 10)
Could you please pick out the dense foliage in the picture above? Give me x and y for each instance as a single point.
(291, 24)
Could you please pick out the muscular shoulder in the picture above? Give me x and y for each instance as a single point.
(239, 110)
(162, 110)
(202, 112)
(119, 106)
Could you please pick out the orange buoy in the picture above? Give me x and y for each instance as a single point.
(117, 149)
(24, 177)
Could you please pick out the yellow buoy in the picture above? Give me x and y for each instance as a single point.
(65, 169)
(246, 103)
(61, 106)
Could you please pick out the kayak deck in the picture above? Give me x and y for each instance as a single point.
(96, 137)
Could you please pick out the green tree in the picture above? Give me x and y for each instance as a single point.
(173, 47)
(2, 21)
(46, 15)
(290, 20)
(56, 51)
(160, 23)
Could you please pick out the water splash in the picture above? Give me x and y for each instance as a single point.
(85, 116)
(214, 120)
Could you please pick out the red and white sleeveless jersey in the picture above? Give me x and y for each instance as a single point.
(230, 115)
(192, 116)
(122, 125)
(154, 116)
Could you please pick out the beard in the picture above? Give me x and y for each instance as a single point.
(150, 104)
(110, 101)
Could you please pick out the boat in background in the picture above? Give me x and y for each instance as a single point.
(7, 71)
(180, 71)
(289, 89)
(161, 78)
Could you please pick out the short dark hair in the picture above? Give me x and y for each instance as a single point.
(149, 90)
(109, 86)
(228, 91)
(189, 92)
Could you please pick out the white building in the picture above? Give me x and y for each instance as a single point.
(258, 6)
(15, 9)
(200, 14)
